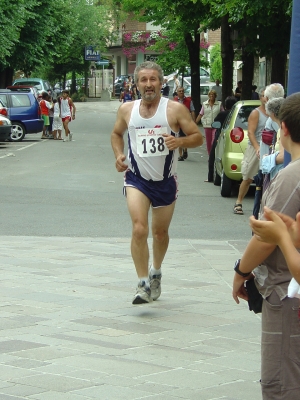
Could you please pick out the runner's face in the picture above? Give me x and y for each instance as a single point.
(64, 95)
(149, 84)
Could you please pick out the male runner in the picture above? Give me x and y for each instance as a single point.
(153, 124)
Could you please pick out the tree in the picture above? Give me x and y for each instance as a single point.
(185, 17)
(216, 63)
(256, 28)
(51, 33)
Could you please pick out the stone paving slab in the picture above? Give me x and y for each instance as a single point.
(68, 330)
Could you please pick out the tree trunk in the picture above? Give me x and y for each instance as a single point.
(227, 55)
(6, 77)
(278, 73)
(248, 71)
(194, 57)
(73, 83)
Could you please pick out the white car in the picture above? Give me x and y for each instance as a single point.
(204, 89)
(204, 75)
(186, 86)
(5, 128)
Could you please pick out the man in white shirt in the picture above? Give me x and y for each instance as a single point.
(218, 89)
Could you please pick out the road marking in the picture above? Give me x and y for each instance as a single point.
(8, 155)
(26, 147)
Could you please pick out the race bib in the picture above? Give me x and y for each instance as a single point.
(151, 143)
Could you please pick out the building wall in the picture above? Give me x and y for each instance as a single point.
(214, 37)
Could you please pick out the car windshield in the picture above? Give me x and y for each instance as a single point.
(242, 117)
(26, 83)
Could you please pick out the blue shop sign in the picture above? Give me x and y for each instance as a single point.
(91, 54)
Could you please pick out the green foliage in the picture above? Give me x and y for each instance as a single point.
(50, 35)
(79, 97)
(216, 63)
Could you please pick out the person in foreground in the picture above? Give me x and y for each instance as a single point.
(280, 342)
(153, 124)
(283, 231)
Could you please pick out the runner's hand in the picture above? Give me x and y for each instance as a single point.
(171, 141)
(120, 165)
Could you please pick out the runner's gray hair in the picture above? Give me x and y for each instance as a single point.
(149, 65)
(273, 106)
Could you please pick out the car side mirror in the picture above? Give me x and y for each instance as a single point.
(237, 135)
(216, 125)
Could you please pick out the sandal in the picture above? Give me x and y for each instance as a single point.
(185, 154)
(180, 158)
(237, 209)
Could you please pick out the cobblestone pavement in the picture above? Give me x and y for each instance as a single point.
(70, 332)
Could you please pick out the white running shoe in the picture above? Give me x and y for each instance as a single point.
(143, 294)
(66, 139)
(70, 136)
(155, 286)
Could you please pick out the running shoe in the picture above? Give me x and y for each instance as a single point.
(155, 286)
(143, 294)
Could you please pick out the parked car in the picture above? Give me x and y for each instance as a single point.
(231, 146)
(186, 85)
(204, 75)
(3, 109)
(40, 84)
(5, 128)
(120, 83)
(24, 112)
(204, 89)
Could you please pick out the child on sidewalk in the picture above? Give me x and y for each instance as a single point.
(45, 107)
(57, 122)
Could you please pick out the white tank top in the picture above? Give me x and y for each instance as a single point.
(148, 156)
(65, 108)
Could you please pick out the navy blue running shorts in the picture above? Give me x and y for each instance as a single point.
(160, 193)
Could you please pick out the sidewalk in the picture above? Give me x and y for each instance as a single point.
(70, 332)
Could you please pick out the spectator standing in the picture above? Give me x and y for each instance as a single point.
(165, 90)
(250, 164)
(57, 122)
(229, 102)
(238, 91)
(176, 85)
(210, 109)
(126, 95)
(45, 107)
(218, 89)
(67, 112)
(135, 92)
(50, 127)
(186, 101)
(150, 180)
(255, 95)
(280, 340)
(275, 90)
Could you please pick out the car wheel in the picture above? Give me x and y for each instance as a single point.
(226, 185)
(216, 177)
(18, 132)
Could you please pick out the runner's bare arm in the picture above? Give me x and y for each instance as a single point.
(73, 107)
(180, 118)
(117, 138)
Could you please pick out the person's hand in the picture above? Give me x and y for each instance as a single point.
(269, 231)
(293, 226)
(120, 165)
(170, 141)
(73, 116)
(238, 288)
(258, 153)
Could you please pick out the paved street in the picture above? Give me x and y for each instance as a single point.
(68, 328)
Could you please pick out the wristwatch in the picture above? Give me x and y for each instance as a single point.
(237, 270)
